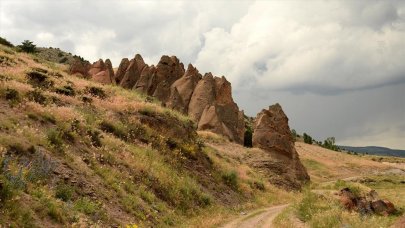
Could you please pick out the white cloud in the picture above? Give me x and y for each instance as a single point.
(310, 47)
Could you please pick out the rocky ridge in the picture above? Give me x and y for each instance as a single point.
(208, 101)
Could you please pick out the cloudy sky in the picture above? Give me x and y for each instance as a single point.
(336, 67)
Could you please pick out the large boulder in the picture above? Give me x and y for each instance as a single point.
(272, 134)
(168, 70)
(182, 89)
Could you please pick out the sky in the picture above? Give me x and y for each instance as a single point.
(336, 67)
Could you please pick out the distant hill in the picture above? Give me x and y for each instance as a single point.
(375, 150)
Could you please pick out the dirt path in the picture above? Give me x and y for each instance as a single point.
(260, 218)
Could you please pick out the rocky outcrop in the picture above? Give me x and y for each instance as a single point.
(213, 108)
(182, 90)
(272, 134)
(122, 68)
(365, 205)
(80, 67)
(133, 72)
(102, 72)
(168, 70)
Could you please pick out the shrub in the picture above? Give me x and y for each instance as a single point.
(55, 139)
(66, 90)
(96, 92)
(37, 96)
(307, 138)
(5, 42)
(230, 179)
(38, 79)
(117, 129)
(307, 207)
(95, 138)
(12, 96)
(64, 192)
(86, 206)
(28, 46)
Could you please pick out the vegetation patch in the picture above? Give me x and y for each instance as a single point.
(38, 79)
(66, 90)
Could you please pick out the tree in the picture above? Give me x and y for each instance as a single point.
(28, 46)
(294, 134)
(307, 138)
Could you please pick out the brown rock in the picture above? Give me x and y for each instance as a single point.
(203, 96)
(97, 67)
(182, 89)
(272, 134)
(146, 82)
(133, 72)
(119, 75)
(79, 67)
(102, 72)
(168, 70)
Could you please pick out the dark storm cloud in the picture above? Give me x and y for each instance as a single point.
(335, 66)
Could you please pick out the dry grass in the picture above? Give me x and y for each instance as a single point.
(334, 165)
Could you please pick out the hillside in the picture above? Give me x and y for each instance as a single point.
(76, 152)
(330, 172)
(375, 150)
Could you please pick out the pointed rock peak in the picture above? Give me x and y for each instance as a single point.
(108, 62)
(138, 58)
(208, 76)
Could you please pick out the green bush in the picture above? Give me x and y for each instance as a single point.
(117, 129)
(64, 192)
(28, 46)
(66, 90)
(307, 207)
(37, 96)
(307, 138)
(96, 92)
(38, 79)
(55, 139)
(86, 206)
(231, 179)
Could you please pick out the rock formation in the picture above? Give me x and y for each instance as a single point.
(272, 134)
(168, 70)
(102, 72)
(119, 75)
(182, 90)
(133, 72)
(80, 67)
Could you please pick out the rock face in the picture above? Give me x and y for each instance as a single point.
(80, 67)
(272, 134)
(182, 90)
(102, 72)
(168, 70)
(213, 108)
(133, 72)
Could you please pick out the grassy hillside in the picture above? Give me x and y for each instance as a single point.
(74, 152)
(332, 171)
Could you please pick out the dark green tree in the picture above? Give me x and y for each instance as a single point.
(307, 138)
(28, 46)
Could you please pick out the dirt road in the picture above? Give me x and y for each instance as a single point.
(262, 218)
